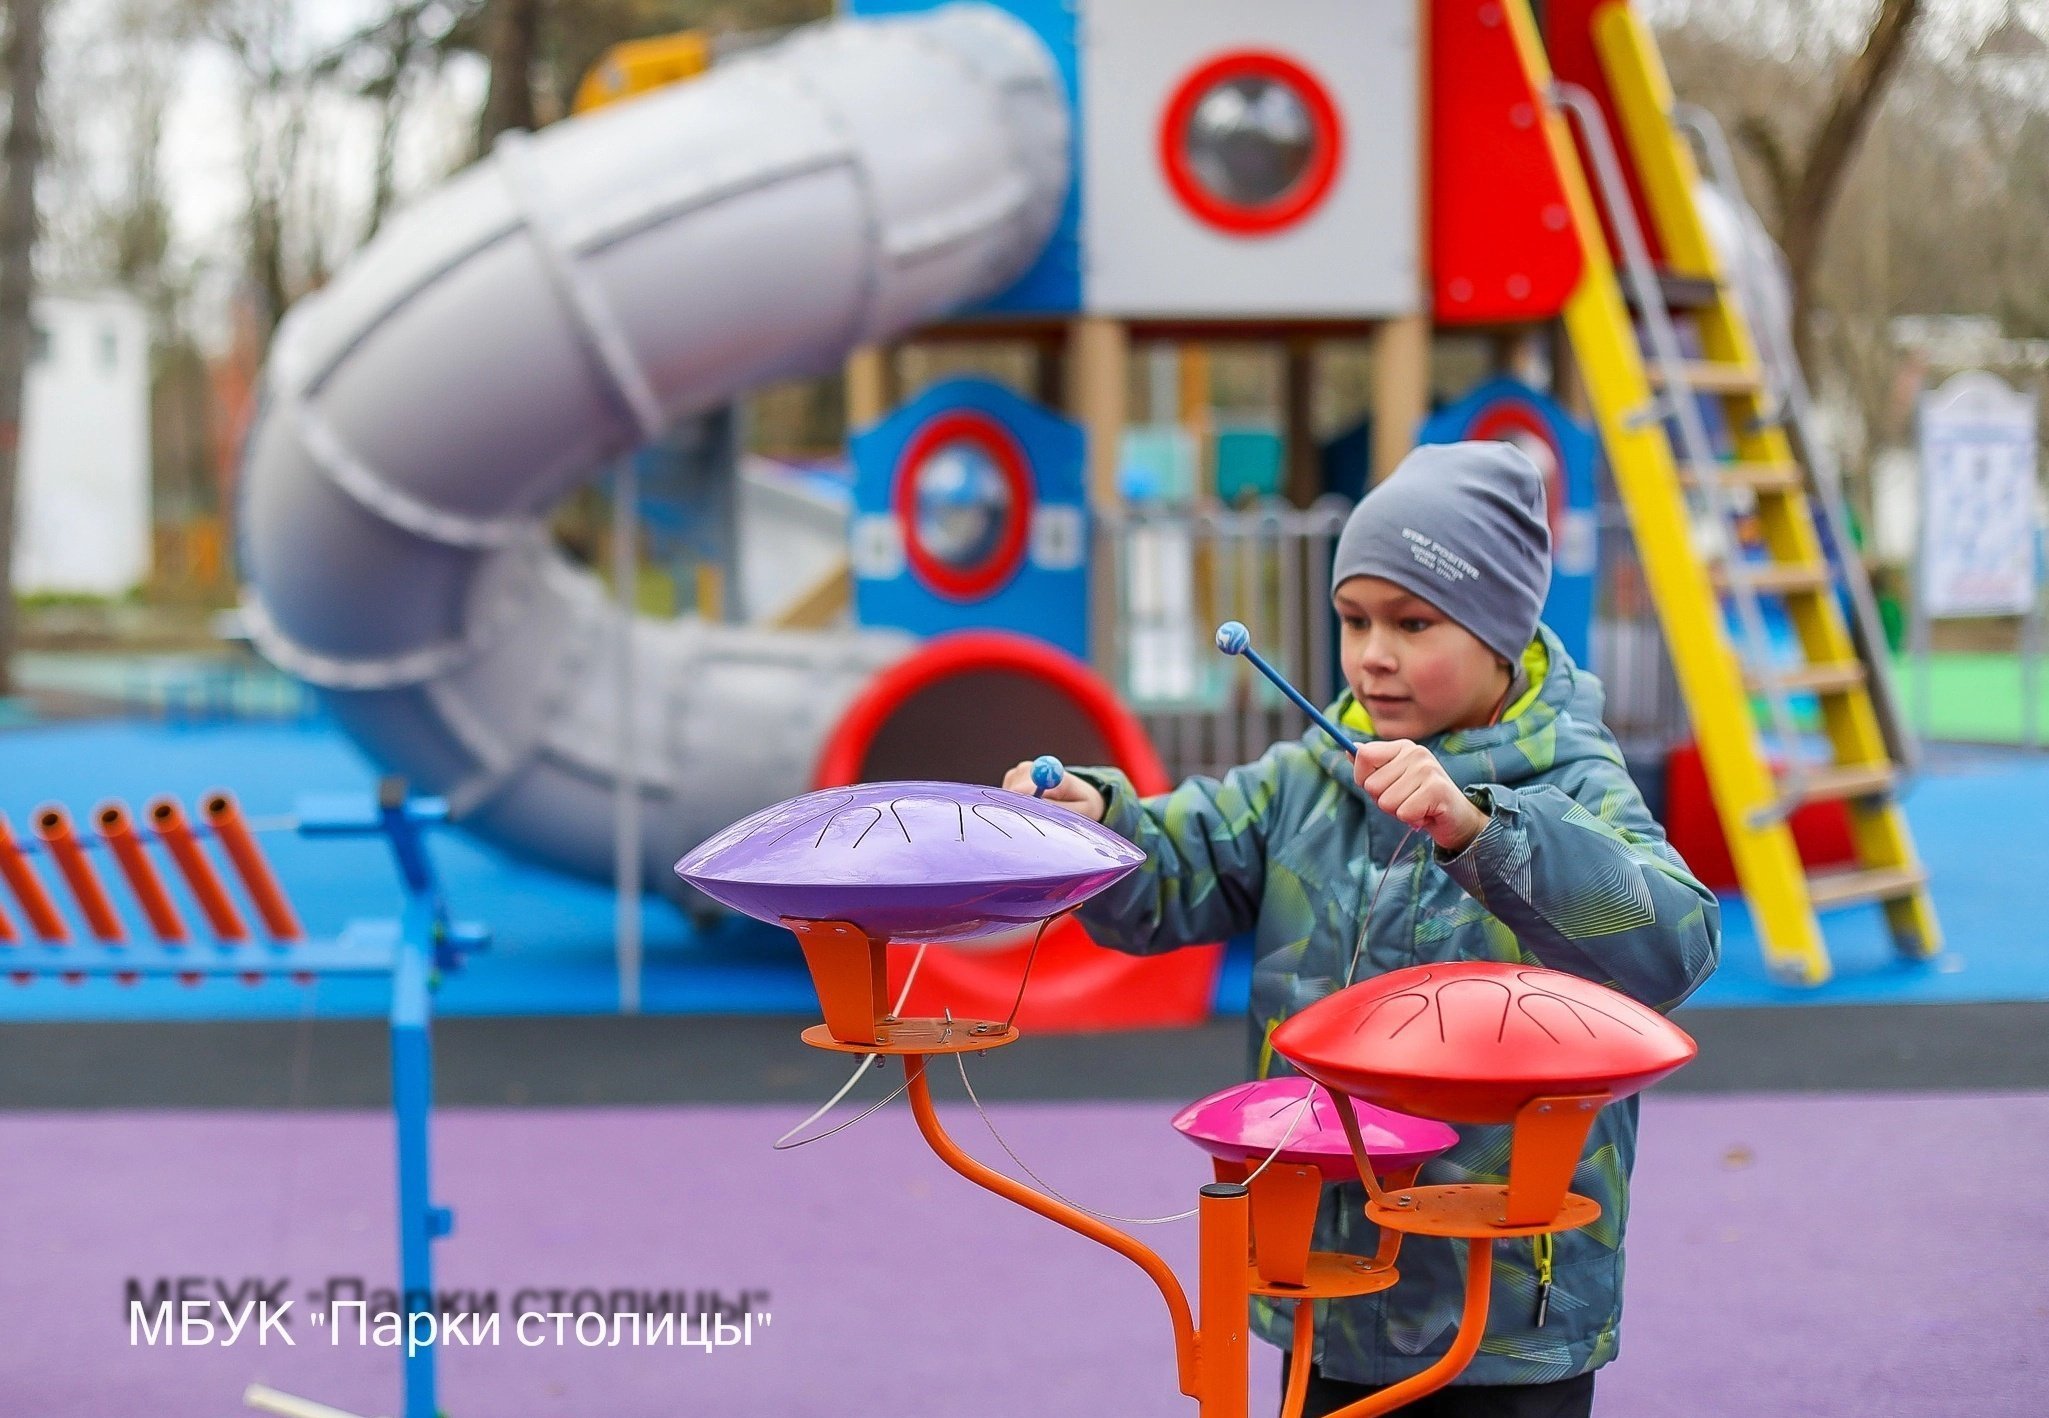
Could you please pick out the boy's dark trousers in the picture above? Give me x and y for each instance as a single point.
(1568, 1398)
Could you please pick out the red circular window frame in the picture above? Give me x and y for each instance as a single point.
(986, 576)
(1496, 420)
(1325, 150)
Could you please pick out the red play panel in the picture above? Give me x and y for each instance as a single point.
(1821, 831)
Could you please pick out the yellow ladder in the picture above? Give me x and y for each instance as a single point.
(1646, 387)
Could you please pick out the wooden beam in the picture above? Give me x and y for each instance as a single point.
(1401, 388)
(1098, 360)
(872, 385)
(1304, 478)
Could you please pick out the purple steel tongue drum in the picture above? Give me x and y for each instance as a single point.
(850, 869)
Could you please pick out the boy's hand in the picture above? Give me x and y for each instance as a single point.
(1075, 794)
(1409, 784)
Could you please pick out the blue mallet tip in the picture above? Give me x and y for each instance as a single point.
(1047, 771)
(1233, 638)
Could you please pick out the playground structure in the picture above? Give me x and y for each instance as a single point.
(940, 863)
(1196, 172)
(411, 951)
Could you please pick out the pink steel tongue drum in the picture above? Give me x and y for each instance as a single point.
(848, 870)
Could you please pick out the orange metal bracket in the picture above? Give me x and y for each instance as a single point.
(1544, 1151)
(849, 969)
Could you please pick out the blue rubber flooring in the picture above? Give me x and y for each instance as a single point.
(1977, 817)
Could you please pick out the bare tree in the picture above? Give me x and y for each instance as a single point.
(513, 29)
(1807, 187)
(22, 150)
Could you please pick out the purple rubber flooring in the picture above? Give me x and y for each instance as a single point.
(1790, 1256)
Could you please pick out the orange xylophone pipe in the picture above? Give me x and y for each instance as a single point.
(167, 820)
(225, 818)
(949, 1153)
(53, 826)
(28, 889)
(117, 830)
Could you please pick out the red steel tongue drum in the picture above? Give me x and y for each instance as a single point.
(849, 870)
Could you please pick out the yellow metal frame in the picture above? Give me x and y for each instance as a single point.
(639, 66)
(1648, 478)
(1643, 99)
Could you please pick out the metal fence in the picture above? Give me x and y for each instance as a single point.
(1173, 575)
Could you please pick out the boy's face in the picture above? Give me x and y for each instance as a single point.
(1416, 670)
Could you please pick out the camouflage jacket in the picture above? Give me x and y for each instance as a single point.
(1572, 873)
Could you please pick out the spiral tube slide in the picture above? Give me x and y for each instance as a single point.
(511, 335)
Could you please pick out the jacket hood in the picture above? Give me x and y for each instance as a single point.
(1561, 724)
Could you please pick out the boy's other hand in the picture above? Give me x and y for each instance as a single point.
(1075, 794)
(1409, 784)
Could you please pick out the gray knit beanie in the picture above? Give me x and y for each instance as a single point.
(1461, 525)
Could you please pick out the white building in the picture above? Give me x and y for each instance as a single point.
(82, 521)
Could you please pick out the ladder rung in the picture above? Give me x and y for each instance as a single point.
(1758, 477)
(1851, 888)
(1823, 783)
(1704, 378)
(1778, 577)
(1817, 679)
(1684, 292)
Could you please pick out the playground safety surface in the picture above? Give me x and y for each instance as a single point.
(1784, 1253)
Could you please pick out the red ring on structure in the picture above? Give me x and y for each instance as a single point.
(963, 652)
(1326, 144)
(1498, 421)
(965, 426)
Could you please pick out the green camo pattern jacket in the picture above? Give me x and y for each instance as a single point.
(1571, 873)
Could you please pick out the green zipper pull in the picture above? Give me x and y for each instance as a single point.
(1266, 1048)
(1541, 1245)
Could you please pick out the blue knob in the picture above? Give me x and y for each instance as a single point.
(1233, 638)
(1047, 771)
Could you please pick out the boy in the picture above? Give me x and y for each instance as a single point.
(1477, 732)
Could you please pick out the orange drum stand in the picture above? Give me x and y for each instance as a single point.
(1472, 1042)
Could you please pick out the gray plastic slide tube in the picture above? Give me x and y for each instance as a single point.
(548, 309)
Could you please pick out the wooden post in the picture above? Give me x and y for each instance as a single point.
(872, 387)
(1401, 346)
(1401, 388)
(1098, 384)
(1304, 478)
(1098, 358)
(1194, 419)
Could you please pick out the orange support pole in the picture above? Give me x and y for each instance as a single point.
(53, 826)
(167, 820)
(225, 818)
(43, 917)
(1472, 1325)
(1224, 1220)
(117, 830)
(1074, 1220)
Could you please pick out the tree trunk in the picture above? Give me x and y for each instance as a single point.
(1810, 199)
(509, 103)
(22, 151)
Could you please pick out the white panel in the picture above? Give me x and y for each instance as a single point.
(1352, 254)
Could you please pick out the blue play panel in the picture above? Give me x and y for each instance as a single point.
(1976, 818)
